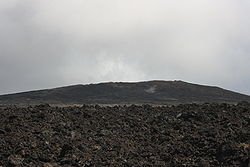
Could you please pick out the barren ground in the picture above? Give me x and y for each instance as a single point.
(185, 135)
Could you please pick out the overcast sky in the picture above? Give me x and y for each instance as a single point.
(51, 43)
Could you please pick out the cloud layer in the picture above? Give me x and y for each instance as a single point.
(51, 43)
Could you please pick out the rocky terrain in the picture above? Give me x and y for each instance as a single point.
(150, 92)
(185, 135)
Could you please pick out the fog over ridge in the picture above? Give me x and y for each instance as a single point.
(52, 43)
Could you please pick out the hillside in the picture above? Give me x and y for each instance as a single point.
(151, 92)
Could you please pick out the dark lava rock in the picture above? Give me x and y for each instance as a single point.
(15, 160)
(186, 135)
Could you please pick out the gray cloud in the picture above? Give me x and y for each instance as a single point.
(52, 43)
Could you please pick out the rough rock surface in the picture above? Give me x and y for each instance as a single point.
(184, 135)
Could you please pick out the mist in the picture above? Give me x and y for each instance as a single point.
(52, 43)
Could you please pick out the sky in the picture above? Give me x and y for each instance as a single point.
(51, 43)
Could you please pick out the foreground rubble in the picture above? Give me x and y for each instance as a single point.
(185, 135)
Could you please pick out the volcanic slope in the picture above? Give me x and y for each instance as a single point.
(150, 92)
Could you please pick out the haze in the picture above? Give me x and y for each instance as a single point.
(50, 43)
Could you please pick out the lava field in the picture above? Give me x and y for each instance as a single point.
(131, 136)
